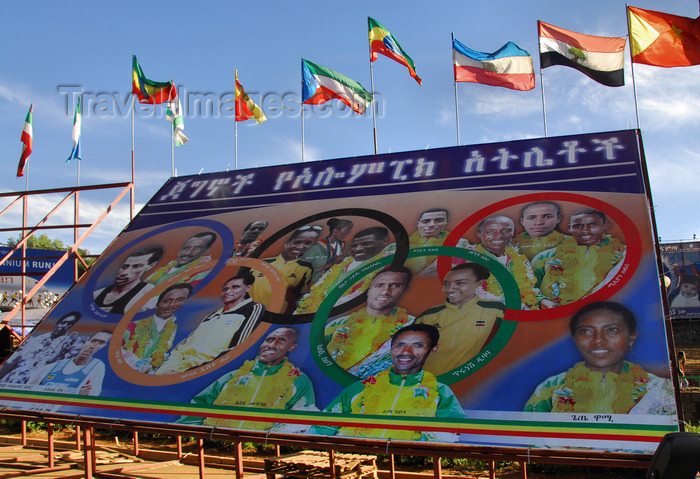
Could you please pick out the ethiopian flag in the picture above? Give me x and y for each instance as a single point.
(149, 91)
(382, 41)
(320, 84)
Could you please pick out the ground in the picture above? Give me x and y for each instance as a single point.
(257, 452)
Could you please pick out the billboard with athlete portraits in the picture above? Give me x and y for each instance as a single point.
(502, 294)
(681, 264)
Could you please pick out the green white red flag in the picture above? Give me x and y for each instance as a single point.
(320, 84)
(27, 139)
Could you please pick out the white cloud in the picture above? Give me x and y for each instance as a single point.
(445, 116)
(506, 104)
(49, 107)
(667, 97)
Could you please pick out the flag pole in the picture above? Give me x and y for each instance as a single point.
(172, 138)
(301, 103)
(634, 84)
(80, 103)
(544, 105)
(172, 151)
(456, 101)
(235, 127)
(133, 174)
(374, 106)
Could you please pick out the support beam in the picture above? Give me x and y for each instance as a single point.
(200, 453)
(87, 452)
(239, 459)
(49, 432)
(437, 467)
(331, 462)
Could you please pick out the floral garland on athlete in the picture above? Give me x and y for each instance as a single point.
(561, 271)
(362, 334)
(319, 291)
(141, 340)
(518, 266)
(241, 391)
(374, 400)
(582, 389)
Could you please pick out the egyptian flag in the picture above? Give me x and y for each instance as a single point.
(600, 58)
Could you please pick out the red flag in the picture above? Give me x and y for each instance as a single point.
(246, 109)
(662, 39)
(26, 138)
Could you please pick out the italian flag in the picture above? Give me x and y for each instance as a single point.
(600, 58)
(321, 84)
(26, 138)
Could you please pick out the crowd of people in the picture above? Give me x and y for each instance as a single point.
(44, 300)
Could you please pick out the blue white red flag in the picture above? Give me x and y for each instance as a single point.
(509, 67)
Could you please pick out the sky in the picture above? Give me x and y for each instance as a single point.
(53, 49)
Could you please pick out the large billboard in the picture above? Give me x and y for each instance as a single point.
(681, 263)
(504, 294)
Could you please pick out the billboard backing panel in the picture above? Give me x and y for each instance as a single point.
(502, 294)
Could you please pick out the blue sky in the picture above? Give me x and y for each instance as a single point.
(49, 45)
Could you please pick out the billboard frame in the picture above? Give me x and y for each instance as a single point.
(523, 456)
(442, 450)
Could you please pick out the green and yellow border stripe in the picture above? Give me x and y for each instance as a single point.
(486, 427)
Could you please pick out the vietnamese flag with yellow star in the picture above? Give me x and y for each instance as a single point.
(662, 39)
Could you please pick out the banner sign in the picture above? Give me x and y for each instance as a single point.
(502, 294)
(39, 261)
(681, 269)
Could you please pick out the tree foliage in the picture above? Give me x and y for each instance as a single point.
(43, 241)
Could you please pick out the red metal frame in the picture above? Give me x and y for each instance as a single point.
(27, 231)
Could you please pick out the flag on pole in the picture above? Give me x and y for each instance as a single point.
(600, 58)
(509, 67)
(174, 116)
(382, 41)
(149, 91)
(27, 139)
(320, 84)
(662, 39)
(246, 109)
(77, 124)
